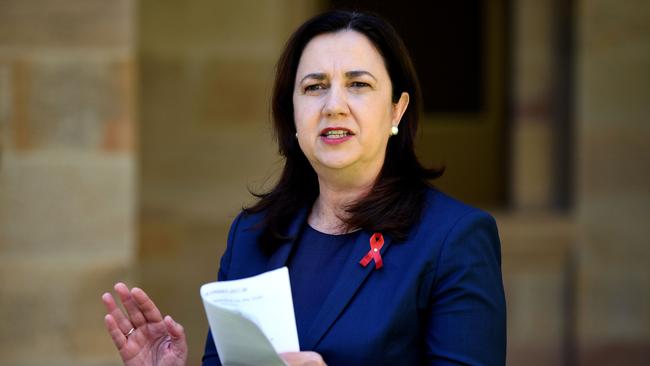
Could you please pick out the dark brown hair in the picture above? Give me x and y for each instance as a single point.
(397, 199)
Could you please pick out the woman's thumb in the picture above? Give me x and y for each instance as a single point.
(174, 329)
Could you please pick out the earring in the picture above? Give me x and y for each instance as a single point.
(296, 134)
(394, 131)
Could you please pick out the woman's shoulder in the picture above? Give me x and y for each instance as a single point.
(466, 231)
(247, 219)
(446, 210)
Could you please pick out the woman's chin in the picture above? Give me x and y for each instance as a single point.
(336, 164)
(335, 159)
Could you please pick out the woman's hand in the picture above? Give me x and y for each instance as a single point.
(143, 337)
(302, 359)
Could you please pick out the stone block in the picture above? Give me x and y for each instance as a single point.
(613, 162)
(613, 302)
(210, 93)
(52, 313)
(207, 28)
(535, 308)
(615, 353)
(66, 203)
(72, 104)
(68, 23)
(536, 266)
(532, 165)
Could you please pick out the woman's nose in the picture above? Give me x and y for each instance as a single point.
(336, 103)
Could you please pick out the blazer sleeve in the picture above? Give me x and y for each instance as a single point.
(210, 355)
(466, 311)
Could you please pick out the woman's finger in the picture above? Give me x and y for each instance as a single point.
(177, 334)
(305, 358)
(135, 315)
(119, 339)
(174, 329)
(123, 323)
(146, 306)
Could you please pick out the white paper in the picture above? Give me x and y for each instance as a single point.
(252, 319)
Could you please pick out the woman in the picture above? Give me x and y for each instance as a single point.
(385, 270)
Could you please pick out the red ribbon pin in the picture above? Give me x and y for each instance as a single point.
(376, 242)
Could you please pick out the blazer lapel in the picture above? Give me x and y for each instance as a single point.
(281, 254)
(351, 278)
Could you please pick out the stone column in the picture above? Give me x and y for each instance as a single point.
(536, 237)
(613, 200)
(67, 180)
(533, 53)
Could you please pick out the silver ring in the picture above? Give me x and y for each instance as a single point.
(129, 333)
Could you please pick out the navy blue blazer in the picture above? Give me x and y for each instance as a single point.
(437, 300)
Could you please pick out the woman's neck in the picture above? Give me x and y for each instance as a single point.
(329, 209)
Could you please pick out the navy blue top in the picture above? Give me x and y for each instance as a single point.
(314, 267)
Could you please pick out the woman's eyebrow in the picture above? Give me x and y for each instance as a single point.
(315, 75)
(350, 75)
(356, 73)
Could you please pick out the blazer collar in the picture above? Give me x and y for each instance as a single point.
(281, 254)
(352, 276)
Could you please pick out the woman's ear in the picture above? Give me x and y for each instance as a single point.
(400, 107)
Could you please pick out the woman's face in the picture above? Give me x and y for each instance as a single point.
(342, 103)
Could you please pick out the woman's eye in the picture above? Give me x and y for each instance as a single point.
(359, 84)
(314, 87)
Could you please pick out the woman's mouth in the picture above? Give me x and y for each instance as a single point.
(335, 135)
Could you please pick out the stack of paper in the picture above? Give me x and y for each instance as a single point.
(252, 319)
